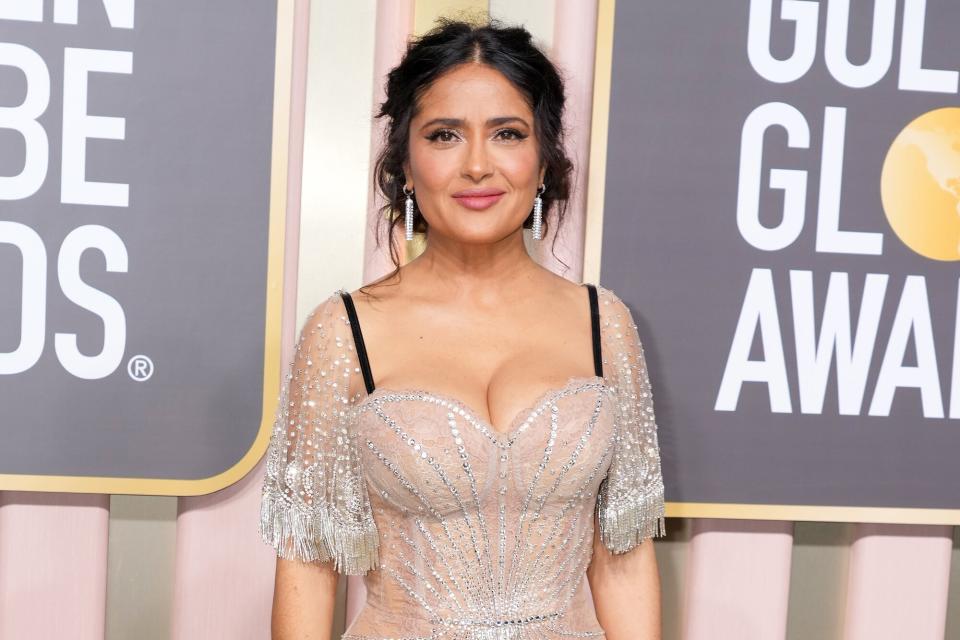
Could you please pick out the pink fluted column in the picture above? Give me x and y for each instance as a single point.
(223, 585)
(394, 26)
(738, 580)
(898, 582)
(574, 49)
(53, 565)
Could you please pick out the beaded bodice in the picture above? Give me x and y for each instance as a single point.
(462, 531)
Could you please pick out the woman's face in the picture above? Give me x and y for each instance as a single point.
(474, 160)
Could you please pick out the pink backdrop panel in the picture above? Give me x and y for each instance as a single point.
(53, 565)
(738, 580)
(898, 582)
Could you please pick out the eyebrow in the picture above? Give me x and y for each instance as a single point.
(459, 122)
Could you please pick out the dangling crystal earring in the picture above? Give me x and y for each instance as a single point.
(409, 212)
(538, 213)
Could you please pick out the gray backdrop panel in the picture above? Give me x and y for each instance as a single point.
(682, 86)
(198, 109)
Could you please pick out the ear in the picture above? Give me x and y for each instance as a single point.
(406, 172)
(543, 173)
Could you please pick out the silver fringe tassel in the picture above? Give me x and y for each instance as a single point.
(307, 536)
(624, 526)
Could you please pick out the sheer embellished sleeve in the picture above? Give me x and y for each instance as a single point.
(314, 504)
(630, 501)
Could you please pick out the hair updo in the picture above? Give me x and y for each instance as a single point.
(508, 49)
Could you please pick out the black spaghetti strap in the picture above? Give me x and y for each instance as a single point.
(358, 340)
(595, 324)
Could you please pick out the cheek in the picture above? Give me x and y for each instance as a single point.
(431, 170)
(520, 166)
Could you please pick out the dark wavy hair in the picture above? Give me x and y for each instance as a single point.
(452, 42)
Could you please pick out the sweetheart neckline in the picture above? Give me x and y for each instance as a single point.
(506, 437)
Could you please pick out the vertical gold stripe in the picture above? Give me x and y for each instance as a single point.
(426, 11)
(597, 174)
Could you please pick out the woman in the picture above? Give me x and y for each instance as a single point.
(472, 433)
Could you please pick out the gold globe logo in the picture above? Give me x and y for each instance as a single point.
(920, 185)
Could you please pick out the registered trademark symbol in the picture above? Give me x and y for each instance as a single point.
(140, 368)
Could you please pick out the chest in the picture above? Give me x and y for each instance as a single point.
(430, 455)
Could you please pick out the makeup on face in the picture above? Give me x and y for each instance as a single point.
(478, 199)
(473, 151)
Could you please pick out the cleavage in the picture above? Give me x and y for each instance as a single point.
(502, 428)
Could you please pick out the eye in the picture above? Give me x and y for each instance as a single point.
(443, 135)
(510, 134)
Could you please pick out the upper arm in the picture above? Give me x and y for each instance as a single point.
(314, 505)
(630, 504)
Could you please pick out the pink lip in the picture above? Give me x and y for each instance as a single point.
(478, 199)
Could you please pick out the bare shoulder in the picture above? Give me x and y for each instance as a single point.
(379, 305)
(380, 290)
(558, 287)
(377, 296)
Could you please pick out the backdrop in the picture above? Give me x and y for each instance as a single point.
(782, 212)
(135, 155)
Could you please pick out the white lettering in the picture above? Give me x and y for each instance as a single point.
(119, 12)
(23, 119)
(24, 10)
(815, 355)
(913, 316)
(881, 48)
(83, 295)
(913, 77)
(830, 239)
(793, 182)
(804, 13)
(78, 126)
(33, 295)
(759, 311)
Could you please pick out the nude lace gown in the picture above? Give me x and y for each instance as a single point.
(462, 532)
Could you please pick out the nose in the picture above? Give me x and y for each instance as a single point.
(477, 164)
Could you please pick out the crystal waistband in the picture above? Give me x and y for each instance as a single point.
(492, 623)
